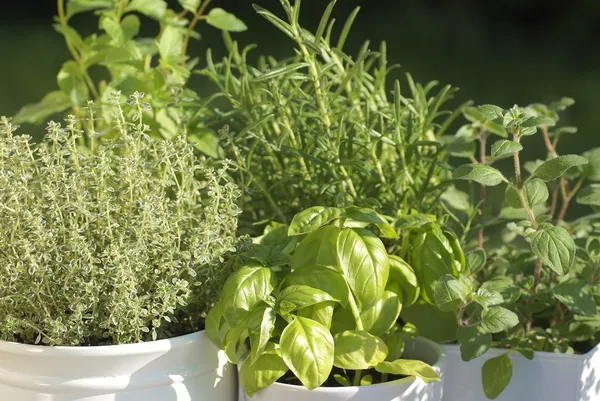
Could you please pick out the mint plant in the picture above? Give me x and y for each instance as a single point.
(537, 289)
(303, 129)
(116, 242)
(317, 303)
(117, 58)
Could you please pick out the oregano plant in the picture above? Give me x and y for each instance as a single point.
(535, 289)
(109, 241)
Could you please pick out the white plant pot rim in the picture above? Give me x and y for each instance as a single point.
(455, 349)
(345, 389)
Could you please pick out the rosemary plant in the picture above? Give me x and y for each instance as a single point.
(323, 123)
(118, 241)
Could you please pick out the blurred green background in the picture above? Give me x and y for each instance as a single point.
(497, 51)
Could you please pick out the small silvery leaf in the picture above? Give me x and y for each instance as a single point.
(505, 147)
(554, 168)
(480, 173)
(556, 248)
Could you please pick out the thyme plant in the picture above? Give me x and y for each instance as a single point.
(536, 289)
(117, 57)
(323, 123)
(116, 242)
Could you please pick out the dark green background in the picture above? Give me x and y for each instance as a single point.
(496, 51)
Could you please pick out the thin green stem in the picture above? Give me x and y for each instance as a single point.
(197, 17)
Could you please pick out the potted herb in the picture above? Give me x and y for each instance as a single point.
(312, 311)
(111, 251)
(530, 291)
(304, 128)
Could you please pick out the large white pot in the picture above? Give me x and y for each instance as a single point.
(186, 368)
(408, 389)
(548, 377)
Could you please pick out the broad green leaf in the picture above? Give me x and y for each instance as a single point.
(322, 278)
(555, 247)
(71, 81)
(154, 9)
(263, 336)
(476, 260)
(592, 169)
(358, 350)
(307, 349)
(414, 221)
(487, 117)
(403, 274)
(225, 21)
(190, 5)
(312, 219)
(487, 298)
(79, 6)
(535, 190)
(431, 322)
(456, 199)
(320, 313)
(480, 173)
(495, 375)
(130, 26)
(37, 113)
(303, 295)
(473, 344)
(450, 293)
(264, 371)
(372, 217)
(409, 367)
(554, 168)
(364, 263)
(215, 325)
(234, 342)
(497, 319)
(577, 296)
(170, 44)
(589, 195)
(243, 290)
(505, 147)
(317, 248)
(380, 317)
(537, 121)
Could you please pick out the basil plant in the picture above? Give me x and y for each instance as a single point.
(317, 303)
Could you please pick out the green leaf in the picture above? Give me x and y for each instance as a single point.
(450, 293)
(321, 313)
(214, 324)
(495, 375)
(577, 296)
(409, 367)
(487, 298)
(71, 81)
(382, 316)
(505, 147)
(320, 277)
(473, 344)
(476, 260)
(555, 247)
(358, 350)
(154, 9)
(414, 221)
(170, 44)
(225, 21)
(303, 295)
(312, 219)
(497, 319)
(372, 217)
(456, 199)
(480, 173)
(589, 195)
(37, 113)
(79, 6)
(243, 290)
(190, 5)
(364, 263)
(554, 168)
(402, 273)
(592, 169)
(535, 190)
(431, 322)
(264, 371)
(307, 349)
(267, 325)
(269, 75)
(317, 248)
(486, 117)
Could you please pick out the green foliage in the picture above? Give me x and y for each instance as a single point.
(535, 289)
(109, 241)
(118, 58)
(323, 124)
(310, 317)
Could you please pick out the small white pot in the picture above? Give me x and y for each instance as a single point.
(548, 377)
(186, 368)
(408, 389)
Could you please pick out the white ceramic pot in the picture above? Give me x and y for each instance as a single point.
(548, 377)
(408, 389)
(186, 368)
